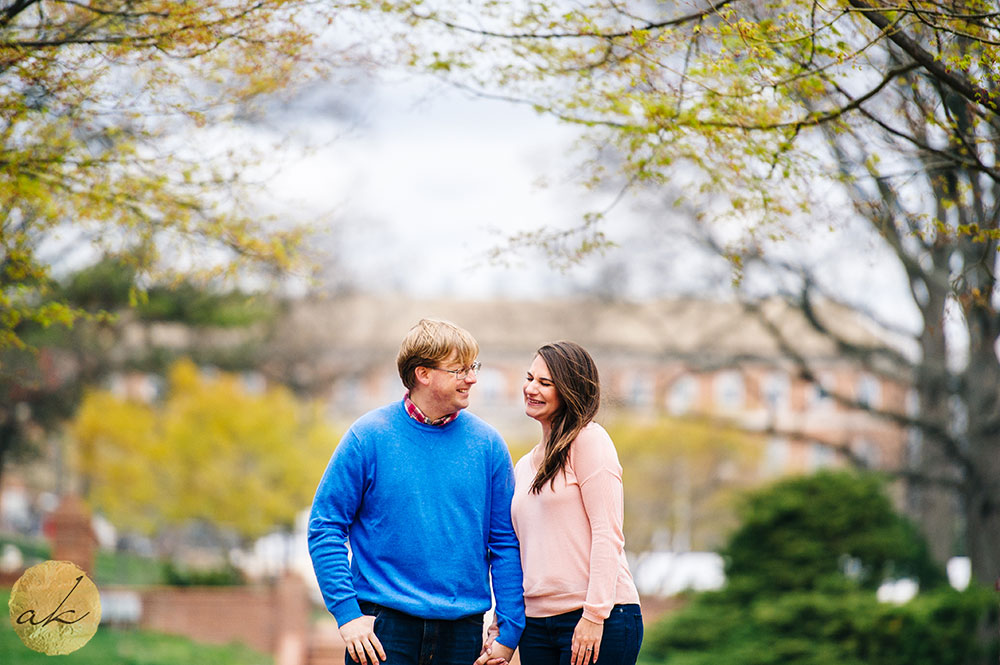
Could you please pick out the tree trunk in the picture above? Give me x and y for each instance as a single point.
(982, 493)
(934, 506)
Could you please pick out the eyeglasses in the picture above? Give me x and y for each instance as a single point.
(462, 374)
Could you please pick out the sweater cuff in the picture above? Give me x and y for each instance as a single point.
(346, 610)
(509, 637)
(590, 616)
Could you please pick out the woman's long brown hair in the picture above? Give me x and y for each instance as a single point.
(574, 374)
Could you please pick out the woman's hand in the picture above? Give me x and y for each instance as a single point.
(586, 646)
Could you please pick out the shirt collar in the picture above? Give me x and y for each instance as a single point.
(414, 412)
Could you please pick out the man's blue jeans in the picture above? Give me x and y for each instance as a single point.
(410, 640)
(548, 640)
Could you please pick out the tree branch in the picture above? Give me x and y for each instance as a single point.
(712, 8)
(974, 93)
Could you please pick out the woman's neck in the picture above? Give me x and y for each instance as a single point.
(546, 430)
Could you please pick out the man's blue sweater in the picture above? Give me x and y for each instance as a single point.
(427, 513)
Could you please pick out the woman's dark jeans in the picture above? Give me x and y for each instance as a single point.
(410, 640)
(548, 640)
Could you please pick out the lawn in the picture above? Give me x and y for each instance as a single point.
(126, 647)
(112, 567)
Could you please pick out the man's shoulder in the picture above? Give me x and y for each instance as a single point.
(480, 429)
(379, 418)
(471, 420)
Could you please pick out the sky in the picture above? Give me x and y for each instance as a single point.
(421, 181)
(417, 181)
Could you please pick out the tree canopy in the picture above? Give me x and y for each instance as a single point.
(105, 112)
(41, 386)
(212, 451)
(735, 88)
(797, 114)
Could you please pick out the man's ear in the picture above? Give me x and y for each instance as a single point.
(422, 375)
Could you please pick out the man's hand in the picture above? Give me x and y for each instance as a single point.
(362, 645)
(494, 653)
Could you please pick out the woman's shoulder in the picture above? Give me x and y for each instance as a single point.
(594, 443)
(593, 434)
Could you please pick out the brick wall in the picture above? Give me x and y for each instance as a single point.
(273, 619)
(72, 535)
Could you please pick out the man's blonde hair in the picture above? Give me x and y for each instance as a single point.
(429, 343)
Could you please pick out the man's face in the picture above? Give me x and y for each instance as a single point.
(448, 391)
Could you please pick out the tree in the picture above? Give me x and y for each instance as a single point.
(801, 576)
(41, 386)
(100, 109)
(758, 108)
(823, 531)
(681, 476)
(211, 452)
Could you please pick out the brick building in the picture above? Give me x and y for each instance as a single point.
(682, 357)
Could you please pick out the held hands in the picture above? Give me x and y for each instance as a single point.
(494, 653)
(362, 644)
(586, 646)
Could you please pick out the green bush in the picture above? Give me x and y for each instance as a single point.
(801, 573)
(831, 531)
(222, 576)
(812, 628)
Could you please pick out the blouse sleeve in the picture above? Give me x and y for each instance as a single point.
(595, 463)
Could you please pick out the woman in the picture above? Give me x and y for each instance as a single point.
(580, 600)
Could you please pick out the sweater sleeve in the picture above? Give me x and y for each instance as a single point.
(337, 501)
(504, 551)
(598, 472)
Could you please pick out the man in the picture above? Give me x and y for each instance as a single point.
(422, 491)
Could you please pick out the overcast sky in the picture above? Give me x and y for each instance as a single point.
(418, 181)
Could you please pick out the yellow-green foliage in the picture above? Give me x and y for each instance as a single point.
(98, 102)
(211, 451)
(680, 477)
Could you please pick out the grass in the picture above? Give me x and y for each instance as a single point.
(112, 567)
(128, 647)
(128, 569)
(33, 550)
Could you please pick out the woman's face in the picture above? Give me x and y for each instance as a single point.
(541, 400)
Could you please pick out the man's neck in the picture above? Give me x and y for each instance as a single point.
(429, 408)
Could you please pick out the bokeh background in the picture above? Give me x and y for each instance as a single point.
(776, 234)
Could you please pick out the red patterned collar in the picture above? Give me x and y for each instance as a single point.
(414, 411)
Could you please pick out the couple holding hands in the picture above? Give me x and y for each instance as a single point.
(420, 513)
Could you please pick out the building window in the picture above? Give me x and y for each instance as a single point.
(681, 398)
(820, 456)
(867, 452)
(253, 382)
(819, 396)
(347, 393)
(869, 392)
(776, 389)
(638, 389)
(914, 445)
(729, 391)
(490, 385)
(775, 456)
